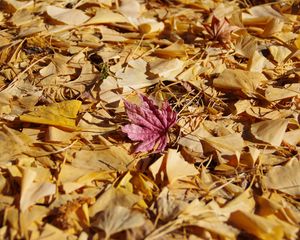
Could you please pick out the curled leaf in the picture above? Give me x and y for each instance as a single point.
(220, 29)
(149, 124)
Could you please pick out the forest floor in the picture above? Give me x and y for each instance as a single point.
(149, 119)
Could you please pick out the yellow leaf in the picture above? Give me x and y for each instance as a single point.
(58, 114)
(297, 42)
(260, 227)
(52, 233)
(229, 144)
(118, 218)
(115, 196)
(288, 91)
(270, 131)
(67, 16)
(285, 178)
(33, 191)
(12, 144)
(107, 16)
(235, 79)
(172, 166)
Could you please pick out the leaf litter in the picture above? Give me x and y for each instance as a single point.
(138, 119)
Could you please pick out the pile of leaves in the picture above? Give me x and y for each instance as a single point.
(135, 119)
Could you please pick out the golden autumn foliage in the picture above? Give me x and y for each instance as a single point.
(158, 119)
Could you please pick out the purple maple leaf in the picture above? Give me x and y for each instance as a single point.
(220, 29)
(149, 124)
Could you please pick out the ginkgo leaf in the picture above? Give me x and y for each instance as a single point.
(32, 191)
(270, 131)
(57, 114)
(172, 166)
(228, 144)
(12, 144)
(235, 79)
(288, 91)
(67, 16)
(285, 178)
(114, 196)
(133, 76)
(260, 227)
(106, 16)
(149, 124)
(116, 218)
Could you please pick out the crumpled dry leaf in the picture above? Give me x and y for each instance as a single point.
(220, 29)
(149, 124)
(227, 173)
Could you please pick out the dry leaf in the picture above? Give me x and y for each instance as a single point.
(32, 191)
(13, 144)
(106, 16)
(220, 29)
(134, 76)
(230, 71)
(235, 79)
(270, 131)
(149, 124)
(285, 178)
(167, 69)
(116, 218)
(288, 91)
(58, 114)
(229, 144)
(258, 226)
(172, 166)
(114, 196)
(67, 16)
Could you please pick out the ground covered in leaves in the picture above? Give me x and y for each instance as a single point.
(149, 119)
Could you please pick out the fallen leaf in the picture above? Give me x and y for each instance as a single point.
(133, 76)
(58, 114)
(229, 144)
(285, 178)
(279, 53)
(68, 16)
(220, 29)
(167, 69)
(33, 191)
(260, 227)
(292, 137)
(287, 91)
(106, 16)
(117, 218)
(149, 125)
(235, 79)
(116, 197)
(270, 131)
(13, 144)
(172, 166)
